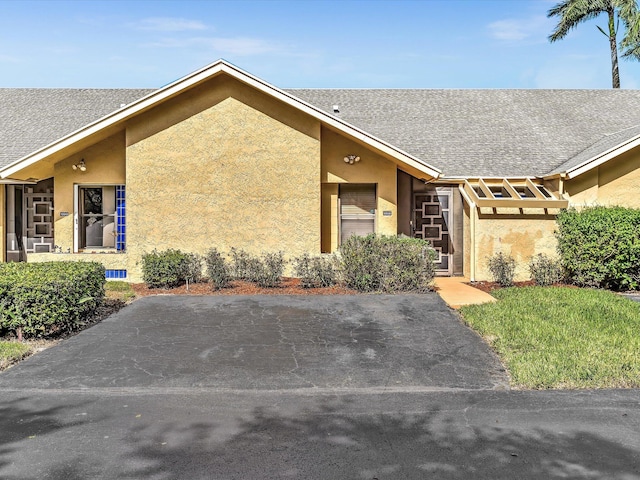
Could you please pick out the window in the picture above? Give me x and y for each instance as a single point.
(101, 217)
(357, 210)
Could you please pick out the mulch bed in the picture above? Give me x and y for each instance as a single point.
(489, 287)
(288, 286)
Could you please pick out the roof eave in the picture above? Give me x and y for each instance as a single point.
(599, 159)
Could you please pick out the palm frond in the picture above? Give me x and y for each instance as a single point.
(572, 13)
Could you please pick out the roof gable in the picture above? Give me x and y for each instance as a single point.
(173, 89)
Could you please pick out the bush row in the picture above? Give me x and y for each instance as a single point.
(600, 247)
(38, 299)
(369, 264)
(387, 264)
(170, 268)
(543, 270)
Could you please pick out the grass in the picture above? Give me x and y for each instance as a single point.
(12, 352)
(559, 337)
(117, 290)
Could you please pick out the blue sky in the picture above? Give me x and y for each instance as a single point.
(303, 43)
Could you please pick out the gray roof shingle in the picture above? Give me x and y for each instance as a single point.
(464, 133)
(485, 132)
(31, 118)
(600, 147)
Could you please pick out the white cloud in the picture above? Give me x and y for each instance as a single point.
(515, 30)
(169, 24)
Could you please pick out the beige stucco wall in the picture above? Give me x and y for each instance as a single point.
(228, 176)
(330, 216)
(466, 239)
(521, 236)
(372, 168)
(617, 182)
(115, 261)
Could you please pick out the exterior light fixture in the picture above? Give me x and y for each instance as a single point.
(80, 166)
(351, 159)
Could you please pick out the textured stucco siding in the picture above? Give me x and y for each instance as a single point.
(115, 261)
(617, 182)
(521, 237)
(467, 239)
(228, 176)
(373, 168)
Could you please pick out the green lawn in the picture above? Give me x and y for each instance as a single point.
(559, 337)
(119, 291)
(11, 352)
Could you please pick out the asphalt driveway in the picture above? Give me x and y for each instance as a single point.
(270, 343)
(341, 388)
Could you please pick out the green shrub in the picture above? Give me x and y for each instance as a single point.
(240, 264)
(266, 271)
(387, 264)
(544, 270)
(316, 272)
(217, 269)
(502, 268)
(170, 268)
(600, 247)
(39, 299)
(192, 268)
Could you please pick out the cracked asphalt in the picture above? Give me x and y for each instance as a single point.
(337, 387)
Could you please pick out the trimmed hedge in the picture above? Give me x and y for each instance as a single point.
(600, 247)
(170, 268)
(38, 299)
(387, 264)
(316, 272)
(217, 269)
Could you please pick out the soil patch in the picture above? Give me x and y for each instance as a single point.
(288, 286)
(489, 287)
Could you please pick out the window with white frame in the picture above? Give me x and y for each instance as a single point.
(101, 217)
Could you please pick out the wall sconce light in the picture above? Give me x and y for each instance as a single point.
(351, 159)
(80, 166)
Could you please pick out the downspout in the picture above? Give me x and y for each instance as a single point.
(472, 233)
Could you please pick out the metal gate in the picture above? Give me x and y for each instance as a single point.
(432, 220)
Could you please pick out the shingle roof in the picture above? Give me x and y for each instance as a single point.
(607, 143)
(31, 118)
(468, 133)
(485, 132)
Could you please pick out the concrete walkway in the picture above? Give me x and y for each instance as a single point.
(456, 292)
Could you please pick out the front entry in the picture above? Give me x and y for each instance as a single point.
(29, 220)
(432, 221)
